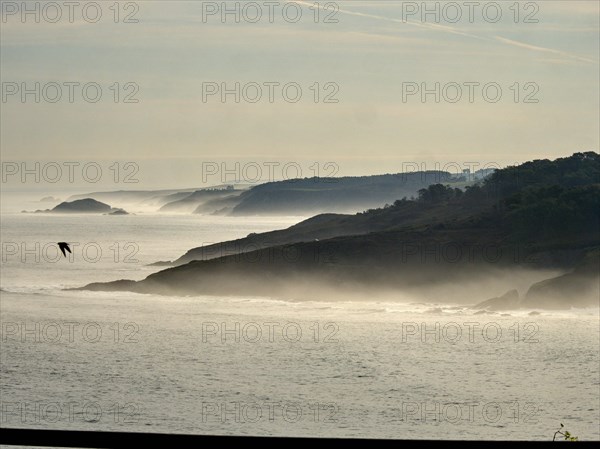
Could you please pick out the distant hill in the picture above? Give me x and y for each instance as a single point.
(537, 216)
(49, 199)
(140, 199)
(86, 205)
(339, 195)
(132, 195)
(306, 196)
(83, 206)
(198, 199)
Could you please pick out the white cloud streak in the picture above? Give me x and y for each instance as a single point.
(456, 31)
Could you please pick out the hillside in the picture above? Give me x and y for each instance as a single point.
(306, 196)
(539, 215)
(198, 199)
(333, 195)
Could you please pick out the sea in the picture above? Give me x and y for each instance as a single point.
(268, 366)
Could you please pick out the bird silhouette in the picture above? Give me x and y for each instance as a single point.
(64, 246)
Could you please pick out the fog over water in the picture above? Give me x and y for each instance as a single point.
(375, 367)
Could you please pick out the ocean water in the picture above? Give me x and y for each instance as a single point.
(268, 366)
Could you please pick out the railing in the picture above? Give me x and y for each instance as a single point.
(129, 440)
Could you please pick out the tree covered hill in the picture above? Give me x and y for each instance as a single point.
(542, 214)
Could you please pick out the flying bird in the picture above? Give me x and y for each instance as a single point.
(64, 246)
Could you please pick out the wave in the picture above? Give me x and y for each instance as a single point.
(251, 304)
(31, 291)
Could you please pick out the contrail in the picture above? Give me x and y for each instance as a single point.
(452, 30)
(445, 28)
(543, 49)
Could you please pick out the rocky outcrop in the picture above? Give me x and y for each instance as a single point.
(580, 288)
(118, 212)
(509, 301)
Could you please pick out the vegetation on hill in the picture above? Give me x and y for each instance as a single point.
(537, 215)
(343, 194)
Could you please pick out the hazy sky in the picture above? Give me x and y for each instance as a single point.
(369, 54)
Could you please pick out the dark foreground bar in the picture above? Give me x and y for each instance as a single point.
(87, 439)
